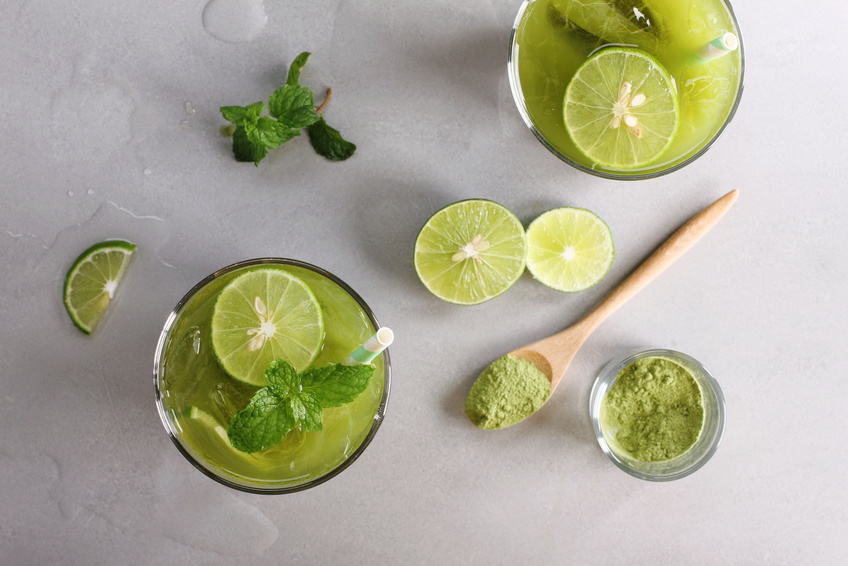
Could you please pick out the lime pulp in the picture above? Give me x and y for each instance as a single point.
(263, 315)
(569, 249)
(621, 108)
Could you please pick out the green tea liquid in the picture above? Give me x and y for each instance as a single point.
(548, 48)
(192, 378)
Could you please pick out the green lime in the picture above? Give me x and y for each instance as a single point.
(263, 315)
(92, 280)
(202, 417)
(212, 424)
(570, 249)
(621, 108)
(470, 251)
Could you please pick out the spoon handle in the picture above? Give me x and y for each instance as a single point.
(678, 244)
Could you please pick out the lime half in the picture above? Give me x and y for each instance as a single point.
(92, 280)
(570, 249)
(263, 315)
(470, 251)
(621, 108)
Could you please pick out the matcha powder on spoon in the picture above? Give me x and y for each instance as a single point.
(508, 391)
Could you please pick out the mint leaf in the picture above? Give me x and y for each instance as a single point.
(273, 134)
(263, 423)
(243, 115)
(235, 114)
(327, 141)
(282, 377)
(294, 69)
(293, 105)
(295, 408)
(313, 420)
(253, 111)
(245, 150)
(292, 400)
(336, 385)
(300, 117)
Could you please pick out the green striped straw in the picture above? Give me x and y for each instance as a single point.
(722, 45)
(371, 348)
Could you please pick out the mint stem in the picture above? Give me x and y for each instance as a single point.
(326, 100)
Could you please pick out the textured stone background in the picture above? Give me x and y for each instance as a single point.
(97, 143)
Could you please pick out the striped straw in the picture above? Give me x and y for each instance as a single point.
(722, 45)
(371, 348)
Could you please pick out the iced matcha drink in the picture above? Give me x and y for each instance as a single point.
(198, 395)
(694, 44)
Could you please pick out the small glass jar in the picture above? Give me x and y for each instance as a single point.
(691, 460)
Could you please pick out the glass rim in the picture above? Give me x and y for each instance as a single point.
(517, 97)
(607, 376)
(195, 460)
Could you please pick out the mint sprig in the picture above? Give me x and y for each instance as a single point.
(292, 400)
(290, 108)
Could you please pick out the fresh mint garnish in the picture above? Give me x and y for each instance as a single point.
(292, 400)
(291, 108)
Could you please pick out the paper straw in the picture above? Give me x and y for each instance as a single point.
(722, 45)
(371, 348)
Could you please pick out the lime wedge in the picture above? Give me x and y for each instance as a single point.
(211, 423)
(263, 315)
(621, 108)
(204, 418)
(570, 249)
(92, 280)
(470, 251)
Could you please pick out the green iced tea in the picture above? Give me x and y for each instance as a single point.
(554, 37)
(198, 398)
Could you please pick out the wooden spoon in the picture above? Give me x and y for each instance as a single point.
(553, 355)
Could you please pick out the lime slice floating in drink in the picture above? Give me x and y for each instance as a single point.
(621, 108)
(470, 251)
(263, 315)
(569, 249)
(92, 281)
(214, 427)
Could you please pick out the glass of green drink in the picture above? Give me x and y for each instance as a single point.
(626, 89)
(196, 397)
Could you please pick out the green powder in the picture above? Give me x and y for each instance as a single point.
(508, 391)
(657, 409)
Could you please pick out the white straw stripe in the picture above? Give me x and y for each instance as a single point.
(371, 348)
(722, 45)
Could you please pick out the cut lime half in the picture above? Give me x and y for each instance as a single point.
(621, 108)
(570, 249)
(263, 315)
(92, 281)
(470, 251)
